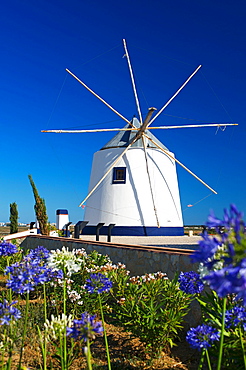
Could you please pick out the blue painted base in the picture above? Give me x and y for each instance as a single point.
(135, 231)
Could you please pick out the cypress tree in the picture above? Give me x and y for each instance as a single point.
(40, 209)
(13, 218)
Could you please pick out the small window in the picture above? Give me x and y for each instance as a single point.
(119, 175)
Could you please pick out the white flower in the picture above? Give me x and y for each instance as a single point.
(73, 295)
(64, 260)
(57, 326)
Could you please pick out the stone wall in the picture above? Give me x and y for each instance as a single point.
(138, 259)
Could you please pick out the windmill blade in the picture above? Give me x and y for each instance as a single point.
(108, 171)
(101, 99)
(150, 185)
(138, 129)
(181, 164)
(133, 82)
(94, 130)
(194, 126)
(177, 92)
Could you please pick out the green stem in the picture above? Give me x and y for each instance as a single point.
(45, 318)
(61, 352)
(242, 345)
(104, 333)
(41, 340)
(64, 296)
(24, 331)
(208, 359)
(88, 354)
(10, 349)
(64, 333)
(201, 360)
(222, 335)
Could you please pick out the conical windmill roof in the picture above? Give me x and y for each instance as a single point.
(123, 138)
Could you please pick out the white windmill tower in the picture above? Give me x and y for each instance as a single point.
(133, 182)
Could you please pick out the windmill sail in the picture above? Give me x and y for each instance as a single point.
(133, 180)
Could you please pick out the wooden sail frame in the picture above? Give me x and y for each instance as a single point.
(141, 131)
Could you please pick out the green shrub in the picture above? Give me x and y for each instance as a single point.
(152, 308)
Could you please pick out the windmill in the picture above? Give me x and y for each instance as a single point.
(133, 183)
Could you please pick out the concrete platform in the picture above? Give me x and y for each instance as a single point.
(186, 242)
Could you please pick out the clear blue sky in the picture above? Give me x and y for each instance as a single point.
(166, 40)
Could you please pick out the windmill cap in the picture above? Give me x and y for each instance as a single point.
(123, 138)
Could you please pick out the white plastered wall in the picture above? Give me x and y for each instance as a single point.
(131, 204)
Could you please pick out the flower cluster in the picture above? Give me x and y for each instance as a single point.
(207, 248)
(190, 282)
(86, 328)
(57, 326)
(98, 283)
(121, 301)
(202, 336)
(74, 296)
(112, 267)
(231, 221)
(64, 260)
(40, 253)
(7, 249)
(80, 252)
(236, 316)
(25, 275)
(148, 277)
(225, 257)
(8, 312)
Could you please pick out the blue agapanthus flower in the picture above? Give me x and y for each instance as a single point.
(98, 283)
(7, 249)
(86, 328)
(235, 317)
(40, 253)
(190, 282)
(232, 220)
(230, 224)
(207, 248)
(24, 276)
(230, 230)
(8, 312)
(229, 280)
(202, 337)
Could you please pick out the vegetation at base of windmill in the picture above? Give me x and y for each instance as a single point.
(52, 342)
(152, 308)
(35, 312)
(13, 218)
(85, 330)
(222, 267)
(77, 298)
(40, 209)
(212, 310)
